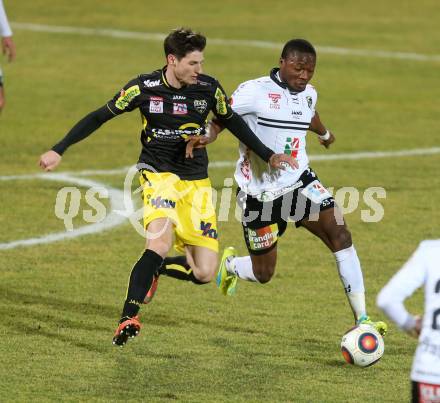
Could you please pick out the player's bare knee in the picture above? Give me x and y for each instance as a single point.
(263, 272)
(341, 239)
(160, 246)
(205, 272)
(204, 275)
(203, 278)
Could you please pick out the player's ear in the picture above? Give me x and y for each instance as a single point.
(171, 59)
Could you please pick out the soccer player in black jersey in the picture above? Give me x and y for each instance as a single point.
(174, 103)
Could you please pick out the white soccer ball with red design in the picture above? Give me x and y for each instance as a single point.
(362, 346)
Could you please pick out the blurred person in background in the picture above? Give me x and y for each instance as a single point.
(422, 269)
(8, 48)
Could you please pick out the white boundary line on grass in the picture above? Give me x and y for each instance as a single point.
(111, 220)
(159, 37)
(116, 196)
(327, 157)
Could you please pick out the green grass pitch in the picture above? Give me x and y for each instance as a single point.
(279, 342)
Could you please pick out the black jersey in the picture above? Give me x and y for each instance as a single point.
(169, 115)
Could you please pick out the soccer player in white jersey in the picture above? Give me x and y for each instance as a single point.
(280, 108)
(8, 47)
(422, 269)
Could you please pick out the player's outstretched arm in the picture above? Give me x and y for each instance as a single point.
(84, 128)
(325, 137)
(49, 160)
(238, 127)
(401, 286)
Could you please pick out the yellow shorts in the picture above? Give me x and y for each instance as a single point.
(187, 203)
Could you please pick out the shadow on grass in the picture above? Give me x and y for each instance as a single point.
(55, 304)
(52, 318)
(59, 304)
(28, 329)
(49, 315)
(216, 323)
(337, 363)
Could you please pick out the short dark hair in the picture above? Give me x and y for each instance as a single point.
(181, 41)
(297, 45)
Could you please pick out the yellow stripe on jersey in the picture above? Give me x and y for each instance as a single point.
(221, 102)
(144, 121)
(164, 79)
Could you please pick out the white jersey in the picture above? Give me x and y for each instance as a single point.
(423, 268)
(280, 119)
(5, 29)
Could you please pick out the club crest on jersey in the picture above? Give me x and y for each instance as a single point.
(274, 98)
(156, 105)
(179, 109)
(309, 102)
(200, 105)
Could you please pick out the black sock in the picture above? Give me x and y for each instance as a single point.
(178, 267)
(141, 278)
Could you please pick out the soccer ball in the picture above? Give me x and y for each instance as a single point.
(362, 345)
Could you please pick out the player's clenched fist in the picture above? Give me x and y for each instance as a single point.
(49, 160)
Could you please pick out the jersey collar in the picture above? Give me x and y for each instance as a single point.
(275, 76)
(164, 78)
(166, 83)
